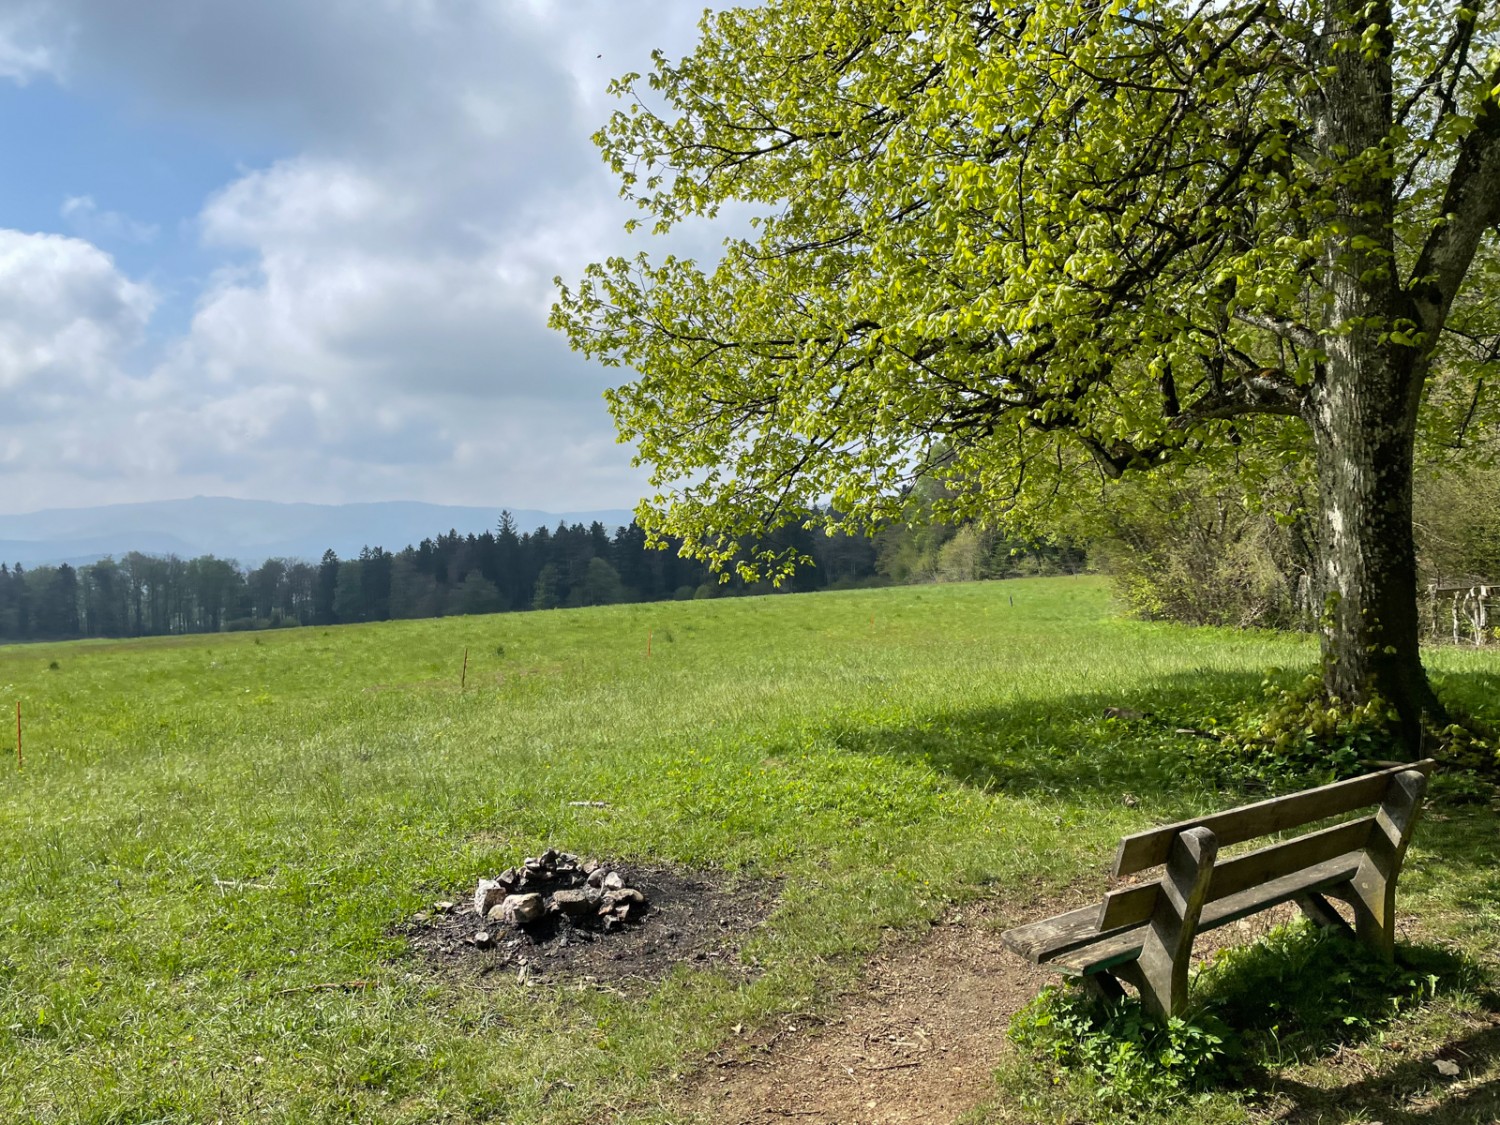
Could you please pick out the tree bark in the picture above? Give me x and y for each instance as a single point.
(1364, 436)
(1363, 405)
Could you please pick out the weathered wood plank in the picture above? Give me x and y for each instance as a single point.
(1130, 906)
(1374, 887)
(1125, 945)
(1038, 941)
(1167, 943)
(1150, 848)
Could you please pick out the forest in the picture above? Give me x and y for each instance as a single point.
(450, 574)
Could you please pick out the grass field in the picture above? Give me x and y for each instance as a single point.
(204, 826)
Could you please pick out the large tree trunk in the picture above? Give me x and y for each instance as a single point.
(1363, 406)
(1363, 435)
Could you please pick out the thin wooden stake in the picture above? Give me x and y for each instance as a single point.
(648, 644)
(463, 677)
(20, 762)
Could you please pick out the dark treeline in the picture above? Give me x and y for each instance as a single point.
(493, 572)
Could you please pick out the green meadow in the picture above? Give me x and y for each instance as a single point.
(205, 827)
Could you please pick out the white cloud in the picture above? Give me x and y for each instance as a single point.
(377, 329)
(67, 317)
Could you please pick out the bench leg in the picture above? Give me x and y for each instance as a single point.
(1161, 973)
(1374, 884)
(1317, 909)
(1103, 986)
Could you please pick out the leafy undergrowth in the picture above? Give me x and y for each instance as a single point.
(1260, 1014)
(1286, 734)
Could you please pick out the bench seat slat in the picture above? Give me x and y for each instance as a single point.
(1150, 848)
(1042, 940)
(1112, 948)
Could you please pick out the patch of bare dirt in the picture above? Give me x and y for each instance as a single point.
(915, 1045)
(918, 1040)
(694, 917)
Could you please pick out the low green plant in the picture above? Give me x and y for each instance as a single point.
(1291, 997)
(1126, 1060)
(1302, 990)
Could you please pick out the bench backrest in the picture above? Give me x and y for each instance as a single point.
(1150, 848)
(1130, 906)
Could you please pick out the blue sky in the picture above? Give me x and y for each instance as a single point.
(304, 252)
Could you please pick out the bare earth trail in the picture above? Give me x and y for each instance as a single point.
(914, 1044)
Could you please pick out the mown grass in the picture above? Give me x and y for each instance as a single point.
(206, 825)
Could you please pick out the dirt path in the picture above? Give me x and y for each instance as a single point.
(914, 1045)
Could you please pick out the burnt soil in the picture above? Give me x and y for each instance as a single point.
(697, 918)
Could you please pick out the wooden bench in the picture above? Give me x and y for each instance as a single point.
(1143, 934)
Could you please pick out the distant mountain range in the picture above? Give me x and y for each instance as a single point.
(251, 531)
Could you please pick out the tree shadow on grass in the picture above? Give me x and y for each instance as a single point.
(1152, 742)
(1074, 745)
(1410, 1092)
(1303, 995)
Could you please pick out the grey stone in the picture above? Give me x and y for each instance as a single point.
(489, 892)
(613, 881)
(522, 909)
(574, 902)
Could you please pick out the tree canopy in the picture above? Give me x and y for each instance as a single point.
(1031, 248)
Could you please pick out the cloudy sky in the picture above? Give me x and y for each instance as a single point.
(304, 251)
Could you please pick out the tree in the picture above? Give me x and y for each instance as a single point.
(476, 594)
(1031, 248)
(600, 586)
(325, 593)
(544, 595)
(349, 591)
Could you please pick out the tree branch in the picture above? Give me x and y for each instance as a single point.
(1471, 206)
(1288, 330)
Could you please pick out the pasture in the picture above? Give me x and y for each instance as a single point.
(211, 858)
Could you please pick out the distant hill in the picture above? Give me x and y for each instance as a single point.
(251, 531)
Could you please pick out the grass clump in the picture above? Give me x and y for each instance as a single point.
(1302, 990)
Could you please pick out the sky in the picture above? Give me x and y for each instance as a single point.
(299, 251)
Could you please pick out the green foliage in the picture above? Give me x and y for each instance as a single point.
(1204, 549)
(1302, 990)
(1291, 733)
(1289, 998)
(1297, 732)
(1459, 525)
(1130, 1062)
(1026, 250)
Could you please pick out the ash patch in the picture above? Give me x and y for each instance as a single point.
(696, 918)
